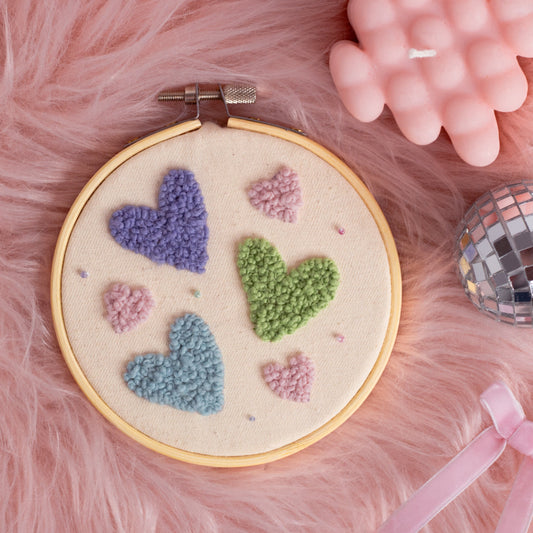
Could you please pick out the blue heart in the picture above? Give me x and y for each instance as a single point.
(191, 378)
(176, 233)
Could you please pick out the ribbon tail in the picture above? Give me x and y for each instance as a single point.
(518, 510)
(446, 484)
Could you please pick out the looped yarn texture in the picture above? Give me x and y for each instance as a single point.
(127, 308)
(293, 382)
(176, 233)
(282, 302)
(191, 378)
(279, 197)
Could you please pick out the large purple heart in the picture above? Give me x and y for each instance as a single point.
(176, 233)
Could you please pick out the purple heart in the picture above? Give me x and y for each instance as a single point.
(176, 233)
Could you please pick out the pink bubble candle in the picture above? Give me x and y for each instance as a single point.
(437, 63)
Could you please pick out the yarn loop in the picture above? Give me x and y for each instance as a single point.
(282, 302)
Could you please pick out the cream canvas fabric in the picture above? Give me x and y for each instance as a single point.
(226, 162)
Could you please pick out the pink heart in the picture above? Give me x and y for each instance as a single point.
(126, 309)
(279, 197)
(293, 382)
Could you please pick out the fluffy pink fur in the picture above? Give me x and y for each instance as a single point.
(78, 80)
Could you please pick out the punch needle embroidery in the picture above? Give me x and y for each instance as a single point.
(127, 308)
(279, 197)
(175, 233)
(293, 382)
(282, 302)
(190, 378)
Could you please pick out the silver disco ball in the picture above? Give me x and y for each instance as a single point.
(494, 251)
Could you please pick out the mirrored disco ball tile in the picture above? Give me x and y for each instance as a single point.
(523, 240)
(494, 252)
(491, 305)
(500, 279)
(512, 212)
(506, 308)
(484, 247)
(475, 221)
(479, 272)
(504, 294)
(487, 291)
(527, 208)
(477, 233)
(470, 252)
(502, 246)
(511, 262)
(484, 209)
(490, 219)
(493, 264)
(505, 201)
(522, 297)
(465, 241)
(472, 288)
(523, 197)
(526, 256)
(516, 226)
(495, 232)
(519, 282)
(464, 266)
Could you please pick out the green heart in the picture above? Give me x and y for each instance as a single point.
(282, 302)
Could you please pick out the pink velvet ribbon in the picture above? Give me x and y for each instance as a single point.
(510, 428)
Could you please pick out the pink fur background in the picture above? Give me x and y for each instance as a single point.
(78, 79)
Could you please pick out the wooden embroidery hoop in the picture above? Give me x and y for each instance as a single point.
(177, 130)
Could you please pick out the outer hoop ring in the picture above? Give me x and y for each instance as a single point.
(165, 449)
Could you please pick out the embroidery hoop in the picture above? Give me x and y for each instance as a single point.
(248, 125)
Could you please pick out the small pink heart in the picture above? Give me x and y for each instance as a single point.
(279, 197)
(126, 309)
(293, 382)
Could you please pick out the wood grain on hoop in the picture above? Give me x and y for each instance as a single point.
(142, 438)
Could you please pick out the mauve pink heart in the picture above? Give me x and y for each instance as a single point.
(293, 382)
(279, 197)
(127, 308)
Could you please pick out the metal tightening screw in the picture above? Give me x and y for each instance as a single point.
(233, 94)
